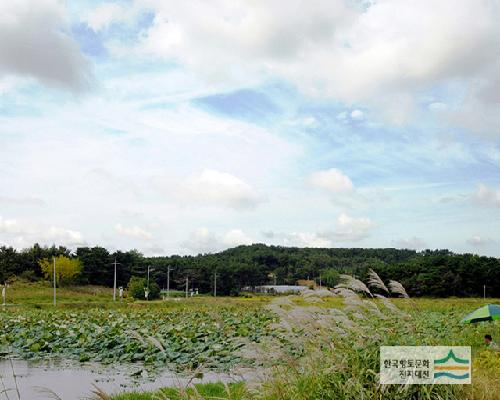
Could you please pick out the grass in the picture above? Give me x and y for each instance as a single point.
(232, 391)
(39, 294)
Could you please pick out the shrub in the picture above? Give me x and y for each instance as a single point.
(137, 285)
(29, 276)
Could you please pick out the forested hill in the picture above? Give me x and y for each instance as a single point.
(427, 273)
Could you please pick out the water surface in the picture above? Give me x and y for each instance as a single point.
(72, 381)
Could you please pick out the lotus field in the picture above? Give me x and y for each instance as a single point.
(184, 338)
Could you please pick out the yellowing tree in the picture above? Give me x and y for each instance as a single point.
(66, 268)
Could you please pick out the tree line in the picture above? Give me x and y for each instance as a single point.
(438, 273)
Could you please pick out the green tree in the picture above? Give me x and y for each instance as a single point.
(67, 269)
(137, 286)
(330, 277)
(97, 266)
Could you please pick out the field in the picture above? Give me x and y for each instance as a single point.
(180, 337)
(313, 346)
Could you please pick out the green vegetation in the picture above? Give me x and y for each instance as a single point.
(437, 273)
(341, 360)
(232, 391)
(22, 294)
(177, 336)
(67, 268)
(311, 346)
(332, 351)
(314, 346)
(39, 294)
(137, 286)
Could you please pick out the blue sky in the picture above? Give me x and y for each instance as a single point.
(194, 127)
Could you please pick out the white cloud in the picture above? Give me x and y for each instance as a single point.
(437, 106)
(236, 33)
(297, 239)
(236, 237)
(486, 197)
(339, 48)
(476, 115)
(13, 226)
(23, 232)
(108, 13)
(332, 180)
(212, 187)
(131, 145)
(107, 154)
(34, 43)
(155, 251)
(65, 236)
(413, 243)
(103, 15)
(25, 201)
(202, 240)
(352, 228)
(479, 241)
(347, 229)
(357, 115)
(134, 232)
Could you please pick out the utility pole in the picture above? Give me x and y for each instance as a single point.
(320, 281)
(147, 290)
(484, 292)
(115, 263)
(168, 281)
(149, 269)
(114, 283)
(215, 284)
(54, 280)
(4, 293)
(187, 285)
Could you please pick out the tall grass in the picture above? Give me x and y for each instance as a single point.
(232, 391)
(342, 353)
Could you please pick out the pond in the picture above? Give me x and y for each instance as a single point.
(71, 381)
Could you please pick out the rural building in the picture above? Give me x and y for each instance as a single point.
(279, 289)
